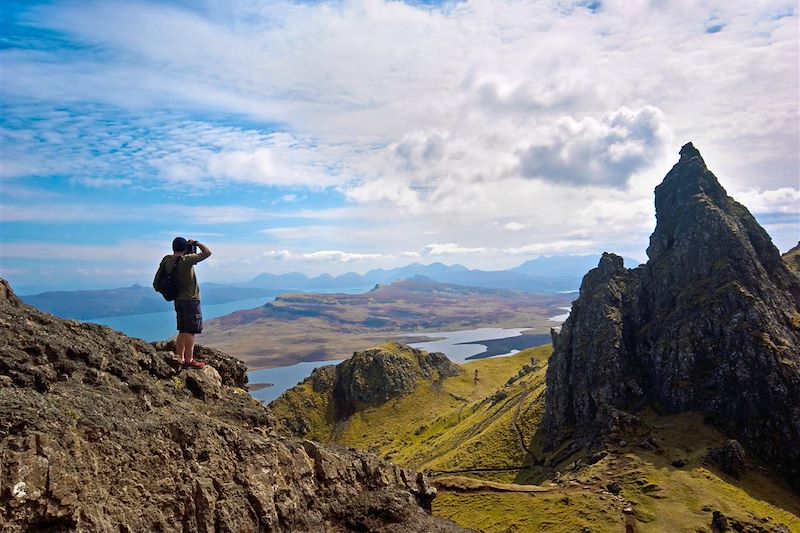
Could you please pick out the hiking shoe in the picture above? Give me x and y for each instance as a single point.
(193, 364)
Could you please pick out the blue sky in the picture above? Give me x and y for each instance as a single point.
(349, 135)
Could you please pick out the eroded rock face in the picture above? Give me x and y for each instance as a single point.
(374, 376)
(710, 323)
(98, 432)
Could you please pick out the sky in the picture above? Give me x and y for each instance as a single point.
(347, 135)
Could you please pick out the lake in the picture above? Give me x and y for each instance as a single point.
(561, 318)
(459, 346)
(159, 326)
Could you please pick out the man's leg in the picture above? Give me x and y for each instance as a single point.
(194, 324)
(188, 343)
(180, 347)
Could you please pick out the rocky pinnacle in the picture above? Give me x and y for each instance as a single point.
(711, 323)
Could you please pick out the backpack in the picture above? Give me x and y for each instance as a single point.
(166, 282)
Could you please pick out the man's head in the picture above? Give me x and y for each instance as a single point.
(179, 244)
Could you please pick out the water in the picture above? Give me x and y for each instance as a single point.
(452, 343)
(286, 377)
(283, 378)
(561, 318)
(161, 325)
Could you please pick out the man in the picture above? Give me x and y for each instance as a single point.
(187, 303)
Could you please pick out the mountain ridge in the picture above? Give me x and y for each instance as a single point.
(546, 273)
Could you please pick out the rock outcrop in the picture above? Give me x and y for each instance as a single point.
(377, 375)
(99, 432)
(711, 323)
(369, 378)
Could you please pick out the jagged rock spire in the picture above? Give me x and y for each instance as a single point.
(710, 323)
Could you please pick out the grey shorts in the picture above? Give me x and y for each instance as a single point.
(190, 318)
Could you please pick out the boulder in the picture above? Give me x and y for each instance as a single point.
(730, 458)
(205, 383)
(232, 371)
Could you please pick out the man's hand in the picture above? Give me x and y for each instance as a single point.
(204, 251)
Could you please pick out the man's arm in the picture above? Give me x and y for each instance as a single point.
(205, 253)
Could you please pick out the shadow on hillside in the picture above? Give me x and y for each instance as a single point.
(665, 455)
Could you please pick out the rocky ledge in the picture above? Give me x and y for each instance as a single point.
(711, 323)
(100, 432)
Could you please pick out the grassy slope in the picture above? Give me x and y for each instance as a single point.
(792, 259)
(452, 427)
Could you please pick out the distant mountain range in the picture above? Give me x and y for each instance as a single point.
(544, 274)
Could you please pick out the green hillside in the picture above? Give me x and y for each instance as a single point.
(453, 425)
(478, 441)
(792, 259)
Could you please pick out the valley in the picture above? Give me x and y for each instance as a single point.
(480, 443)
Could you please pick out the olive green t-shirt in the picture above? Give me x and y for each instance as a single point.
(187, 281)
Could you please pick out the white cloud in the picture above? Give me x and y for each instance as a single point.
(279, 255)
(596, 152)
(473, 80)
(434, 123)
(451, 248)
(296, 233)
(409, 255)
(61, 211)
(339, 256)
(514, 226)
(783, 200)
(132, 252)
(55, 213)
(534, 249)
